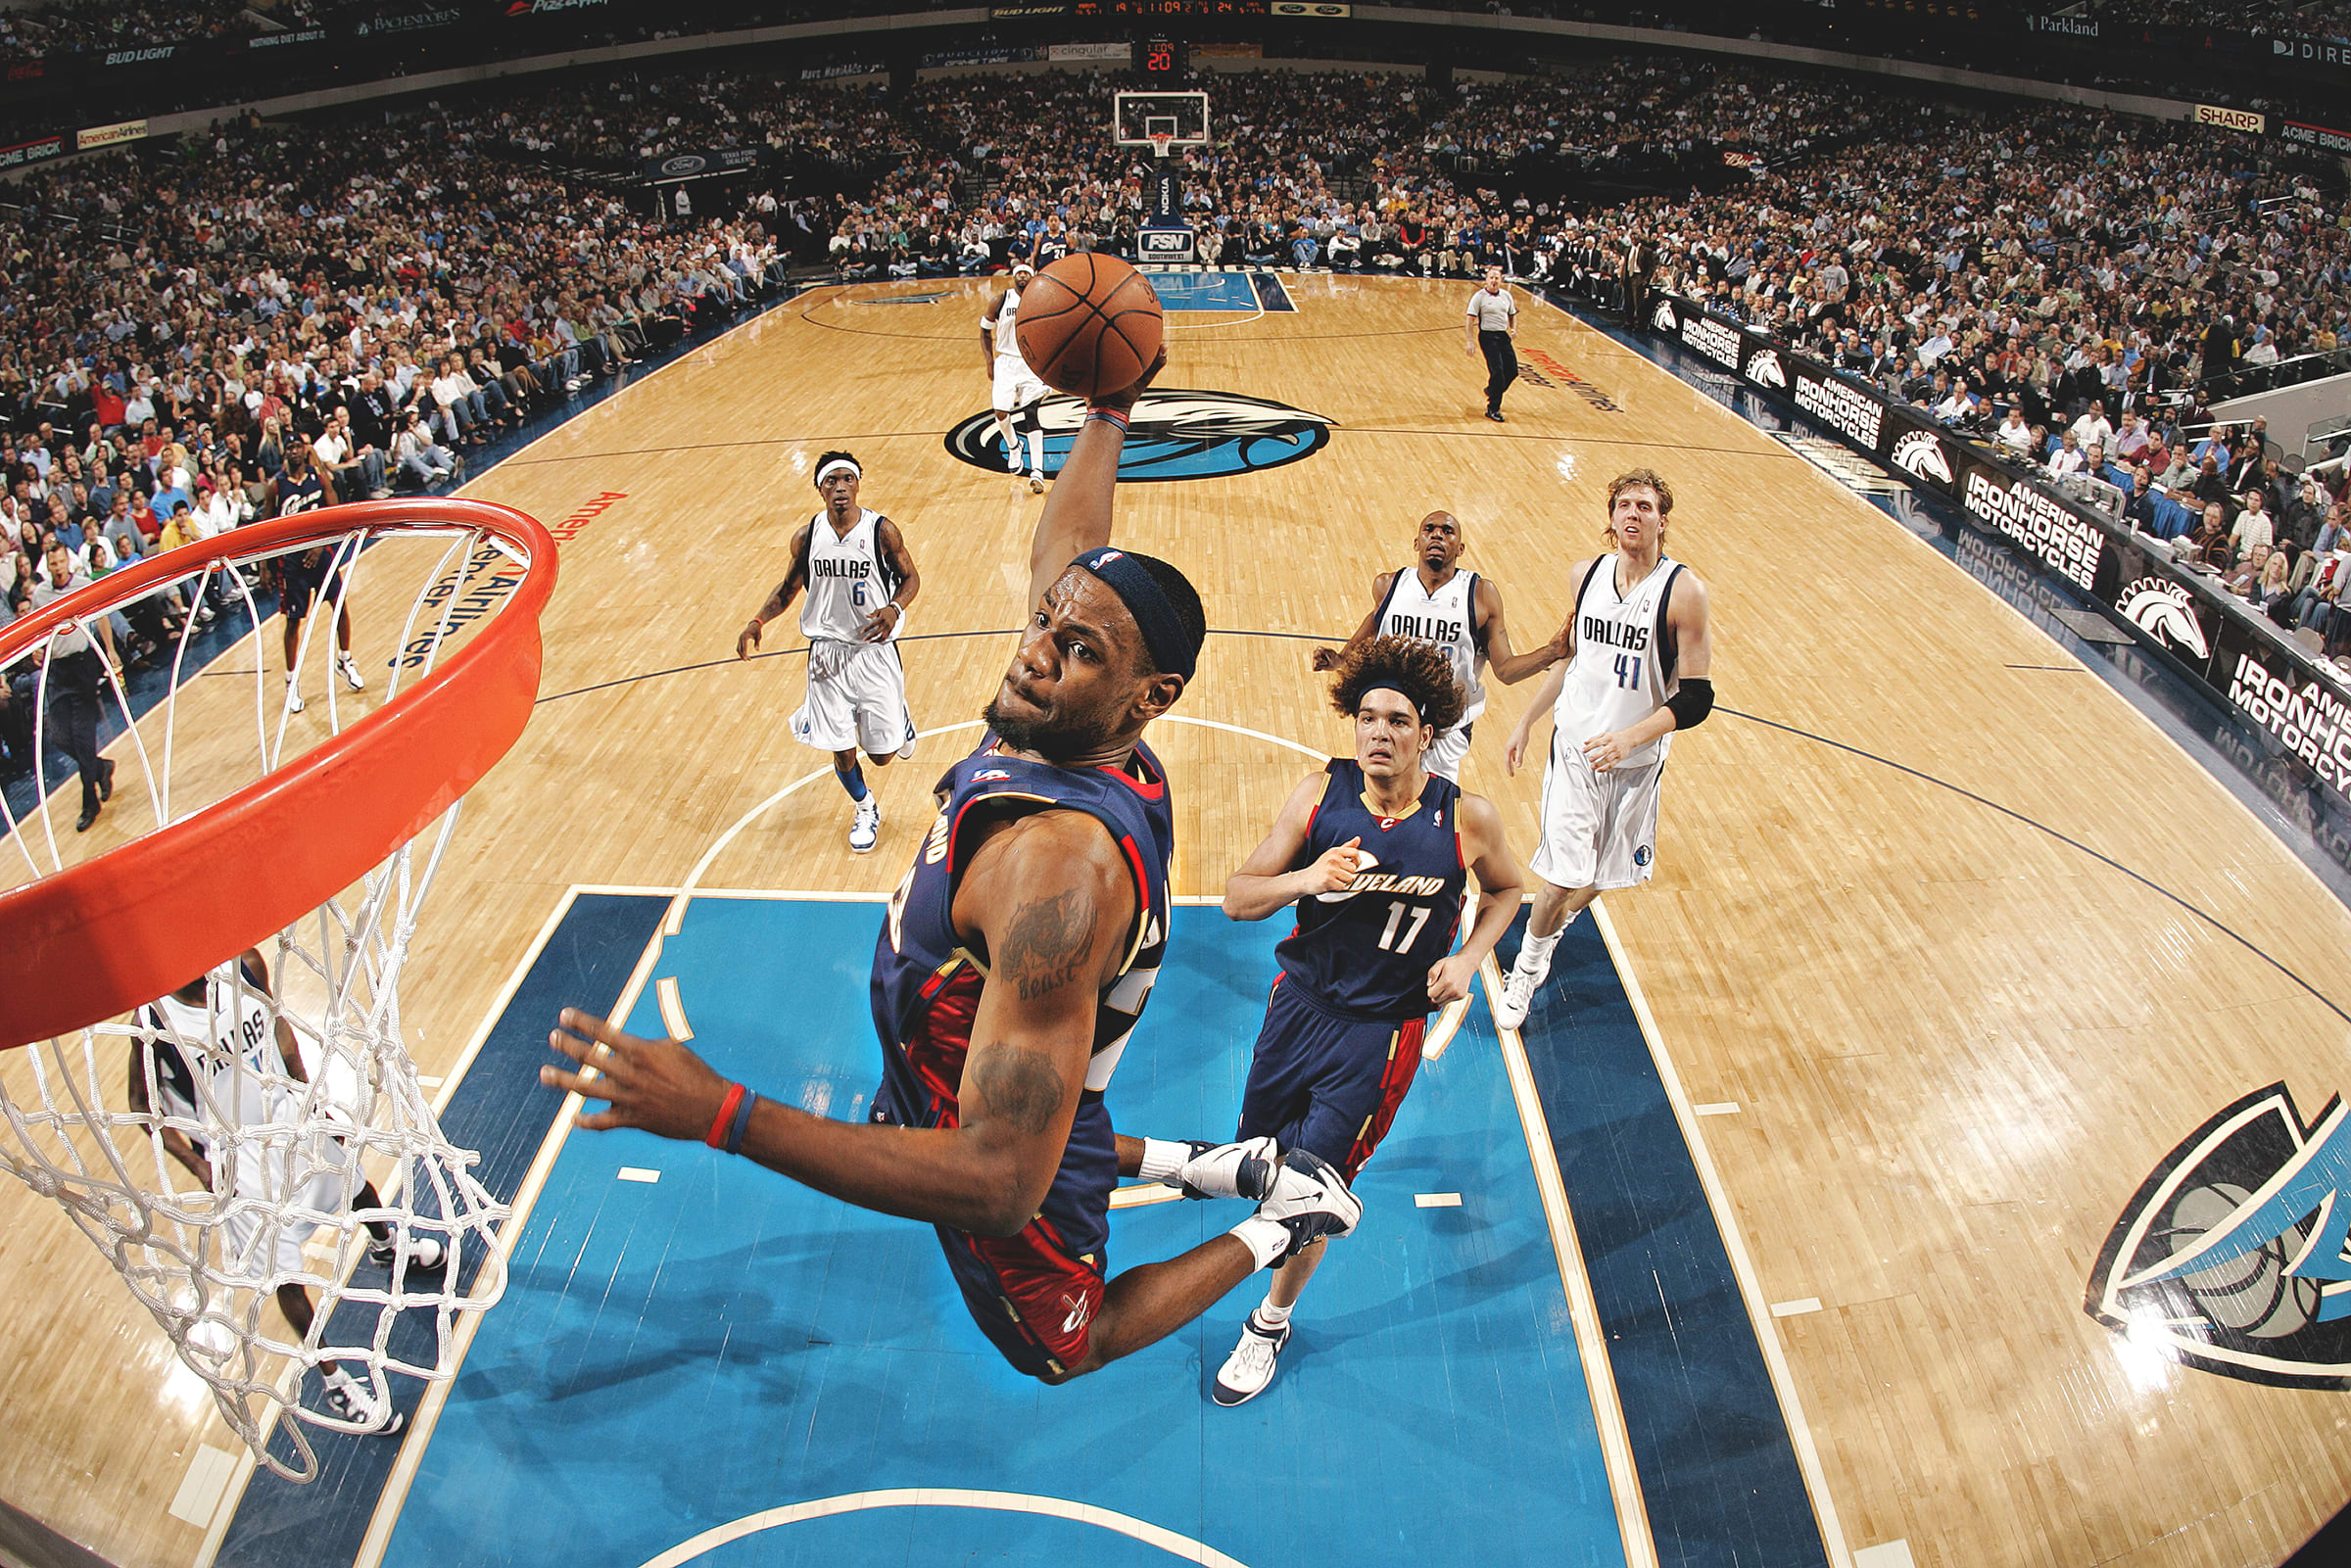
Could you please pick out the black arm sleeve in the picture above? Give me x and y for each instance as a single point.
(1693, 699)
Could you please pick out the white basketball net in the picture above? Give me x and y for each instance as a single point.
(289, 1160)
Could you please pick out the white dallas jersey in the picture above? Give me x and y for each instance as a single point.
(847, 579)
(1623, 669)
(1447, 618)
(237, 1074)
(1007, 339)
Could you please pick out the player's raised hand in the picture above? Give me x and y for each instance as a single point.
(1449, 980)
(1333, 871)
(1327, 658)
(748, 644)
(657, 1085)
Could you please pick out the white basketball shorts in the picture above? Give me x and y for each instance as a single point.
(1448, 751)
(857, 699)
(1017, 385)
(260, 1247)
(1600, 830)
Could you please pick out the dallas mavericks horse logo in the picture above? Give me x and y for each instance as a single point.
(1174, 434)
(2230, 1258)
(2162, 610)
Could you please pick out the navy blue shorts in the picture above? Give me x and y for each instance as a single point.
(303, 582)
(1034, 1293)
(1328, 1083)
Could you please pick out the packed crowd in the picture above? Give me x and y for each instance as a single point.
(2321, 18)
(176, 340)
(377, 299)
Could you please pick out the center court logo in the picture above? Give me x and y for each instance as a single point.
(1919, 454)
(2164, 612)
(2229, 1258)
(1176, 433)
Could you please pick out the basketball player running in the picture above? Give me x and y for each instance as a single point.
(1015, 389)
(1373, 850)
(216, 1030)
(1013, 964)
(1457, 612)
(1493, 322)
(1641, 653)
(860, 579)
(312, 576)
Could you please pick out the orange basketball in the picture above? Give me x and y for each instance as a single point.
(1088, 324)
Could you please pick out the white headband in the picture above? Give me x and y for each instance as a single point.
(838, 463)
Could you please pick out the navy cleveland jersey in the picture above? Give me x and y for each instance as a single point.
(1367, 952)
(927, 983)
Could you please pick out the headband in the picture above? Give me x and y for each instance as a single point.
(1172, 650)
(828, 470)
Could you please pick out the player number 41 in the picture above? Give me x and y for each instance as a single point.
(1396, 913)
(1628, 671)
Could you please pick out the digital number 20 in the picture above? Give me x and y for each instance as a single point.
(1628, 671)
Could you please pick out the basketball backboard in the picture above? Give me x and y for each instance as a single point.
(1181, 117)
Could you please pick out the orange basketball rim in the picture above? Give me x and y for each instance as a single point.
(96, 939)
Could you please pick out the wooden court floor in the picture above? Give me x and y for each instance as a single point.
(1967, 942)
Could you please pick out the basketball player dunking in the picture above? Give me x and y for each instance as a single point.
(1459, 614)
(860, 576)
(1014, 389)
(1372, 851)
(1012, 967)
(1642, 658)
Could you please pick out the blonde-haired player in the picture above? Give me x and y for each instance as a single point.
(1641, 656)
(1015, 391)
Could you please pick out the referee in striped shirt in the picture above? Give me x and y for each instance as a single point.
(1493, 320)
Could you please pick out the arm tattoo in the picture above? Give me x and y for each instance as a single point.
(1047, 944)
(1021, 1086)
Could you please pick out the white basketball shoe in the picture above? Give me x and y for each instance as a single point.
(867, 829)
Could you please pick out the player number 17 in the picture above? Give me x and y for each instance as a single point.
(1396, 912)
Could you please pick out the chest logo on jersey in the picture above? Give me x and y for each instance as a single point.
(840, 566)
(1369, 880)
(2231, 1256)
(1176, 433)
(1425, 627)
(1615, 634)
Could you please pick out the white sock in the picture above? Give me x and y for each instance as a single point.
(1163, 1158)
(1036, 451)
(1535, 950)
(340, 1379)
(1271, 1316)
(1267, 1239)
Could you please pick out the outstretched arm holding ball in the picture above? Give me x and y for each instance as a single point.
(1078, 514)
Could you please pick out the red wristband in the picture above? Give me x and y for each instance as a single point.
(717, 1137)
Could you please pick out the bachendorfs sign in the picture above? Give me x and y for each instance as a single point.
(408, 22)
(2231, 119)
